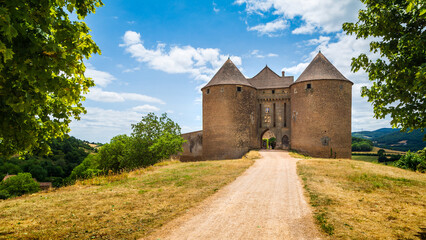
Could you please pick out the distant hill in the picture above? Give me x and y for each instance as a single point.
(390, 138)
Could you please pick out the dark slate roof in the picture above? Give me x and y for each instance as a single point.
(320, 68)
(228, 74)
(267, 79)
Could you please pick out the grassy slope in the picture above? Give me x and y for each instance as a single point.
(124, 206)
(365, 158)
(361, 200)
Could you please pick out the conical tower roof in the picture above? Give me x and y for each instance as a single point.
(267, 78)
(319, 69)
(228, 74)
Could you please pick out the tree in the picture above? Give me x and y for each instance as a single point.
(41, 70)
(153, 139)
(87, 169)
(113, 155)
(399, 75)
(20, 184)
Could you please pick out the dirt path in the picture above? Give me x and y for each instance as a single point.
(266, 202)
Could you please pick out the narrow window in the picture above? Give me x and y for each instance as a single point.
(238, 89)
(260, 115)
(274, 114)
(308, 86)
(285, 114)
(208, 90)
(273, 91)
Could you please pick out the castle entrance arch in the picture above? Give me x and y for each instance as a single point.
(285, 142)
(269, 140)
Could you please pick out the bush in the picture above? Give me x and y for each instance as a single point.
(382, 158)
(4, 194)
(19, 185)
(413, 161)
(87, 169)
(153, 139)
(112, 155)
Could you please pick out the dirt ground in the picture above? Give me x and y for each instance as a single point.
(266, 202)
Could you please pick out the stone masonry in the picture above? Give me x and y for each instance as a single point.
(311, 115)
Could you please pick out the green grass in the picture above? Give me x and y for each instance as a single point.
(122, 206)
(365, 158)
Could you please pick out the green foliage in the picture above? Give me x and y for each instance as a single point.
(56, 167)
(112, 155)
(153, 139)
(391, 138)
(361, 145)
(399, 75)
(87, 169)
(42, 71)
(413, 161)
(19, 185)
(4, 194)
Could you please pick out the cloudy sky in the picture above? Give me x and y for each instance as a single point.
(156, 55)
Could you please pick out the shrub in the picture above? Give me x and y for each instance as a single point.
(4, 194)
(19, 185)
(413, 161)
(87, 169)
(112, 155)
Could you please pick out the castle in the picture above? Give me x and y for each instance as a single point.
(311, 115)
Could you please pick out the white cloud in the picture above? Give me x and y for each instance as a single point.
(325, 15)
(215, 9)
(131, 69)
(97, 94)
(146, 108)
(296, 69)
(340, 53)
(100, 125)
(271, 28)
(200, 63)
(101, 78)
(256, 53)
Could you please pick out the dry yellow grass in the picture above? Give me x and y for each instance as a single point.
(361, 200)
(122, 206)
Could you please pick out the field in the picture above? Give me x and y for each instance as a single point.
(123, 206)
(365, 158)
(362, 200)
(387, 151)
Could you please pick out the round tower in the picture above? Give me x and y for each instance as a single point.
(229, 121)
(321, 100)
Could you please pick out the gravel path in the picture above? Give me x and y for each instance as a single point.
(266, 202)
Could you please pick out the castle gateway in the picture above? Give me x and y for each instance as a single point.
(311, 115)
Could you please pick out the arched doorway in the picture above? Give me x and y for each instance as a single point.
(286, 142)
(269, 141)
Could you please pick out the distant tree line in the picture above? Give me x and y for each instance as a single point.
(65, 155)
(361, 144)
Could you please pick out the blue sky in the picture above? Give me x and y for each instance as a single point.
(156, 55)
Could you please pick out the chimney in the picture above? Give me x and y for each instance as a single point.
(283, 72)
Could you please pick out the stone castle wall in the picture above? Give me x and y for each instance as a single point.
(193, 147)
(321, 118)
(229, 121)
(274, 114)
